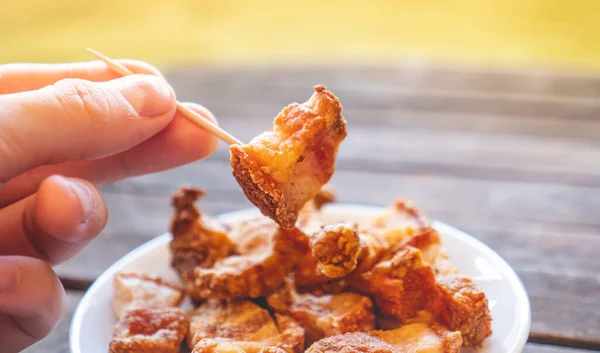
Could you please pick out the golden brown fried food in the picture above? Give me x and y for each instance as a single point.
(197, 242)
(134, 290)
(401, 286)
(285, 167)
(461, 306)
(326, 315)
(427, 240)
(373, 247)
(406, 285)
(402, 213)
(308, 278)
(336, 248)
(413, 338)
(388, 322)
(265, 255)
(242, 326)
(158, 330)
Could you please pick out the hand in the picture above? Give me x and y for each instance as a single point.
(63, 129)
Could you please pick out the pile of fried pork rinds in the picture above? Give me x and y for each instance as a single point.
(291, 282)
(257, 287)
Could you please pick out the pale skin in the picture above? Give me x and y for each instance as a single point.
(63, 130)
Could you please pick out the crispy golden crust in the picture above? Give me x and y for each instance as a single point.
(285, 167)
(196, 242)
(414, 338)
(401, 286)
(327, 315)
(266, 254)
(134, 290)
(240, 320)
(373, 248)
(428, 242)
(242, 326)
(141, 330)
(463, 307)
(406, 285)
(308, 278)
(336, 248)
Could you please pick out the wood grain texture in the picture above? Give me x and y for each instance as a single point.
(539, 348)
(513, 158)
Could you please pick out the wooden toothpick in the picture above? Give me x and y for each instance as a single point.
(188, 113)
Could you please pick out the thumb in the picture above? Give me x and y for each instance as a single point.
(77, 119)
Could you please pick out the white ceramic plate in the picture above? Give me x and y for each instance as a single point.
(93, 321)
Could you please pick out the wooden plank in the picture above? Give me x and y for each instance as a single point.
(564, 307)
(571, 205)
(540, 348)
(240, 114)
(258, 89)
(525, 82)
(58, 340)
(470, 154)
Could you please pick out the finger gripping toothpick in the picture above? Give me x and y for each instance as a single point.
(185, 111)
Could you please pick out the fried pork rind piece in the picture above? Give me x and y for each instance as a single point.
(401, 286)
(405, 285)
(284, 168)
(242, 326)
(265, 256)
(197, 242)
(134, 290)
(326, 315)
(336, 248)
(402, 213)
(400, 225)
(463, 307)
(413, 338)
(373, 247)
(428, 242)
(157, 330)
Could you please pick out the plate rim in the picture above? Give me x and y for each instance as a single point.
(512, 277)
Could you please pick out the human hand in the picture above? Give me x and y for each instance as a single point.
(63, 129)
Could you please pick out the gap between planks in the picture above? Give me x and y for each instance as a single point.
(567, 342)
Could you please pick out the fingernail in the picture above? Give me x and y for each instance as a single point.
(8, 277)
(86, 198)
(150, 96)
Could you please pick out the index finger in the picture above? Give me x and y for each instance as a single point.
(21, 77)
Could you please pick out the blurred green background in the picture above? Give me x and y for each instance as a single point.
(551, 33)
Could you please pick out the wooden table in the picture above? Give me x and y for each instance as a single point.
(511, 157)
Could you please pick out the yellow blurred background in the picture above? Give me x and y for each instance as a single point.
(550, 33)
